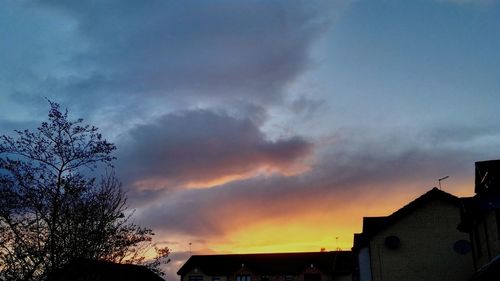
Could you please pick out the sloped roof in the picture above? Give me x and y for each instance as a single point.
(96, 270)
(374, 225)
(270, 264)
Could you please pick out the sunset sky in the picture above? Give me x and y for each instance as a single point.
(263, 126)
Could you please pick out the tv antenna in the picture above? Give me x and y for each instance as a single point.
(442, 179)
(337, 248)
(190, 248)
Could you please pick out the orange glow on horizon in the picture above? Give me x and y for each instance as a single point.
(329, 223)
(315, 230)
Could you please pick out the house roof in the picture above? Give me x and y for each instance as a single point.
(338, 262)
(96, 270)
(374, 225)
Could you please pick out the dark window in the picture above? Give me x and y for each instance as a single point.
(288, 277)
(392, 242)
(243, 278)
(312, 277)
(264, 278)
(195, 278)
(215, 278)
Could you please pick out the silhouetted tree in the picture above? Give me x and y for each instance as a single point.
(53, 209)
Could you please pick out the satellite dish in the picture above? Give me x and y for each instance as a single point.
(462, 247)
(392, 242)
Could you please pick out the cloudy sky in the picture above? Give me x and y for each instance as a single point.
(258, 126)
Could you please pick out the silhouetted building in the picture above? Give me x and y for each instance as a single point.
(420, 241)
(315, 266)
(481, 220)
(94, 270)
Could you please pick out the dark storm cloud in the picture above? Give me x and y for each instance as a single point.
(202, 146)
(247, 50)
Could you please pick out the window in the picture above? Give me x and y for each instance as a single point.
(243, 278)
(195, 278)
(264, 278)
(288, 277)
(215, 278)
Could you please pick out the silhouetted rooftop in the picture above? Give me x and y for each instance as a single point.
(338, 262)
(373, 225)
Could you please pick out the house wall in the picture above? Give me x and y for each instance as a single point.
(258, 277)
(200, 273)
(347, 277)
(427, 237)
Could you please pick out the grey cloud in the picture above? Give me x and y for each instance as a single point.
(202, 145)
(221, 49)
(306, 106)
(461, 135)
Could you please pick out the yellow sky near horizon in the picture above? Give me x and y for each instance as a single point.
(324, 227)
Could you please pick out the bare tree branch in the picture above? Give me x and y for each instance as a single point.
(52, 211)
